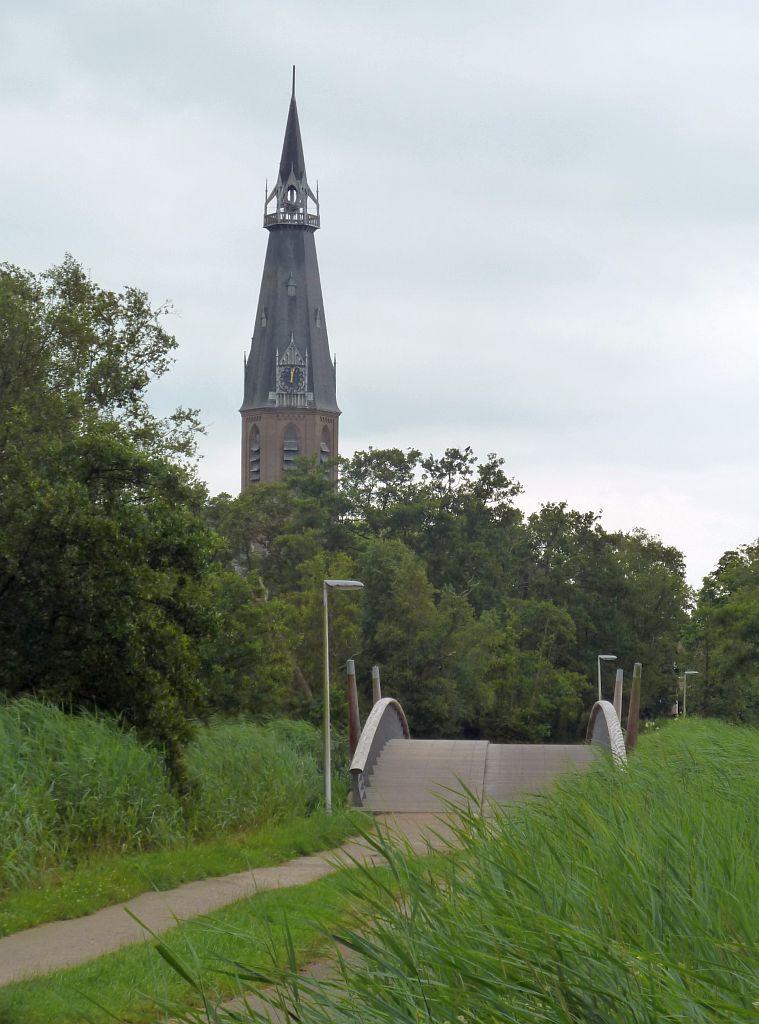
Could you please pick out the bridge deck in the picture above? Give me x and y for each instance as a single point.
(514, 769)
(425, 775)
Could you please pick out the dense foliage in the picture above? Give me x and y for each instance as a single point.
(484, 622)
(104, 554)
(723, 639)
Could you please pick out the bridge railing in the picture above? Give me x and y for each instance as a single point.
(605, 730)
(386, 721)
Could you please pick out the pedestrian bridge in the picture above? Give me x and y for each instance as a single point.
(393, 773)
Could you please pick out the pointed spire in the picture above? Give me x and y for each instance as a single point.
(291, 193)
(292, 147)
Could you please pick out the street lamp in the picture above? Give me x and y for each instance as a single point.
(603, 657)
(690, 672)
(330, 585)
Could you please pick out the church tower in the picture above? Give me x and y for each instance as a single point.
(290, 405)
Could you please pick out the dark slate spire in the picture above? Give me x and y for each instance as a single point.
(290, 327)
(291, 161)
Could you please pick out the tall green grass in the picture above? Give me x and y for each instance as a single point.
(624, 897)
(244, 772)
(73, 783)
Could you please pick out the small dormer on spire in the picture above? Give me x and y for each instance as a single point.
(287, 203)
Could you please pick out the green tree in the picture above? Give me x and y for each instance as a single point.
(533, 699)
(724, 638)
(383, 494)
(652, 613)
(307, 637)
(285, 539)
(432, 647)
(247, 662)
(401, 634)
(457, 514)
(104, 549)
(474, 537)
(273, 529)
(625, 593)
(573, 565)
(451, 566)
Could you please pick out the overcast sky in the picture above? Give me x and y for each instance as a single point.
(539, 223)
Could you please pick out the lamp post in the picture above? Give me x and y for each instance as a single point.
(603, 657)
(690, 672)
(330, 585)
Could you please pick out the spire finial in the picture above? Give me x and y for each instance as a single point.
(293, 95)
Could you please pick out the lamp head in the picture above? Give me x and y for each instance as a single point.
(607, 657)
(344, 584)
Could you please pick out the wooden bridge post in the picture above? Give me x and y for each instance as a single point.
(376, 688)
(633, 712)
(618, 682)
(354, 718)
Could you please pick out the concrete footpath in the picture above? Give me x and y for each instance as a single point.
(60, 944)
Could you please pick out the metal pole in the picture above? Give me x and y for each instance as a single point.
(327, 740)
(690, 672)
(618, 682)
(354, 719)
(376, 688)
(633, 710)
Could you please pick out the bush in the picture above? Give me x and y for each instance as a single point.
(242, 772)
(70, 784)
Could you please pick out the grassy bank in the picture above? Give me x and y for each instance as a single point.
(102, 879)
(132, 984)
(625, 896)
(72, 785)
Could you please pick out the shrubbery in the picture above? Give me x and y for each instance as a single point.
(244, 772)
(72, 783)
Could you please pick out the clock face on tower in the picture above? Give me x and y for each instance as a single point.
(291, 379)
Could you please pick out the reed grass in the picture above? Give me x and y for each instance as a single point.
(244, 772)
(72, 784)
(623, 897)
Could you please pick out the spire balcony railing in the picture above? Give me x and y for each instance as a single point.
(309, 220)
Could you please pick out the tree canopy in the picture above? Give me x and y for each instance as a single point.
(484, 622)
(722, 643)
(105, 552)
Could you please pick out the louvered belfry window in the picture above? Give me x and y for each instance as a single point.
(255, 455)
(325, 446)
(290, 447)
